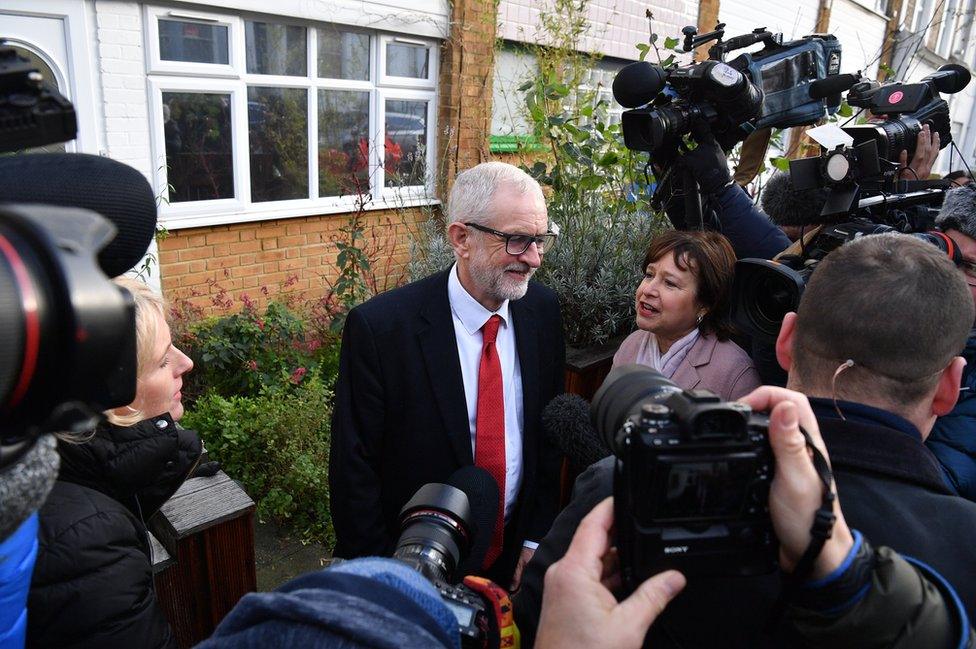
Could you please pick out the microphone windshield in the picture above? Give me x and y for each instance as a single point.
(114, 190)
(832, 85)
(638, 83)
(787, 206)
(950, 78)
(482, 492)
(567, 425)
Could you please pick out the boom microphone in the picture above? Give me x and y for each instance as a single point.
(567, 425)
(482, 492)
(112, 189)
(832, 85)
(638, 83)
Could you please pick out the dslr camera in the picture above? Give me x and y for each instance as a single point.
(691, 478)
(437, 530)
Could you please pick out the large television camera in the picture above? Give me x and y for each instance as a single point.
(781, 85)
(864, 194)
(691, 479)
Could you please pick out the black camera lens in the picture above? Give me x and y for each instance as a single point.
(763, 292)
(622, 394)
(774, 298)
(435, 531)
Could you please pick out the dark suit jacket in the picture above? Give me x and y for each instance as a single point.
(400, 417)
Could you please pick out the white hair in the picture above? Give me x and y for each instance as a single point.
(474, 188)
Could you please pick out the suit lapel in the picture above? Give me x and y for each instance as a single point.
(688, 375)
(526, 341)
(439, 349)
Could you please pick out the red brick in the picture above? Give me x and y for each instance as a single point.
(196, 253)
(223, 237)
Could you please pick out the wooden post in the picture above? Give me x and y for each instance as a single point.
(207, 529)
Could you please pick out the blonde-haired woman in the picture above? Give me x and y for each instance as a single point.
(93, 584)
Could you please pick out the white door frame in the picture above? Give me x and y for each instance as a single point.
(79, 32)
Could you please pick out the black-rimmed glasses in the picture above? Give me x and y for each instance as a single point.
(516, 244)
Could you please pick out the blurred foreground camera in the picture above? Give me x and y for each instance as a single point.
(69, 348)
(691, 481)
(437, 531)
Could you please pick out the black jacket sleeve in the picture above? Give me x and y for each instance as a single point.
(357, 433)
(546, 498)
(592, 486)
(93, 583)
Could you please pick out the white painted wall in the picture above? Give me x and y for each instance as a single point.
(792, 19)
(615, 26)
(861, 33)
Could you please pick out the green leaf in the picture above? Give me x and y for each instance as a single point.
(608, 159)
(525, 86)
(781, 163)
(670, 43)
(845, 109)
(643, 48)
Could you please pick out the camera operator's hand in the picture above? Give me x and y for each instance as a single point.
(578, 609)
(707, 161)
(926, 151)
(797, 492)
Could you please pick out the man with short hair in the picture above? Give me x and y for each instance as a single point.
(454, 370)
(874, 345)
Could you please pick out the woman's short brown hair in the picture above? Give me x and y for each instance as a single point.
(710, 258)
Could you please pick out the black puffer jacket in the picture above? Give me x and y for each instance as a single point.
(93, 583)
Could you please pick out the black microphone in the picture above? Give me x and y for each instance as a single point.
(482, 492)
(950, 78)
(787, 206)
(832, 85)
(567, 425)
(112, 189)
(638, 83)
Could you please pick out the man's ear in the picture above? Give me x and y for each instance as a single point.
(947, 391)
(457, 236)
(784, 341)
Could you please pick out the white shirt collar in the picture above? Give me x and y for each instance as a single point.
(472, 314)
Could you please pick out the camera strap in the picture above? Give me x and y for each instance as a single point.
(822, 529)
(823, 519)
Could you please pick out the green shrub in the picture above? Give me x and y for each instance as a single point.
(276, 444)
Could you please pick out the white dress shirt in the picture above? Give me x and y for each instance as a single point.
(469, 316)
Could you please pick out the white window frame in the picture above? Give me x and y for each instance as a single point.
(156, 65)
(170, 76)
(384, 79)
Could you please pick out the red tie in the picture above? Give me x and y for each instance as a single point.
(489, 445)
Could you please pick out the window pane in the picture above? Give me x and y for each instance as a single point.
(192, 42)
(277, 120)
(343, 142)
(343, 55)
(406, 143)
(407, 60)
(197, 132)
(276, 49)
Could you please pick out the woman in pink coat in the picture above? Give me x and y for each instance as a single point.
(682, 316)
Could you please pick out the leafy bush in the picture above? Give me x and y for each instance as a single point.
(238, 354)
(276, 443)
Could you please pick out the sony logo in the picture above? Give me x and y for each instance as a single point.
(676, 549)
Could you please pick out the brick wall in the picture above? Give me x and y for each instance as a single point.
(122, 69)
(295, 255)
(467, 70)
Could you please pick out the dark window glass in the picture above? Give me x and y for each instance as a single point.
(343, 142)
(277, 120)
(407, 60)
(343, 55)
(405, 142)
(276, 49)
(192, 42)
(197, 132)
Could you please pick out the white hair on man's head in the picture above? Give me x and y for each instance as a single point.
(473, 190)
